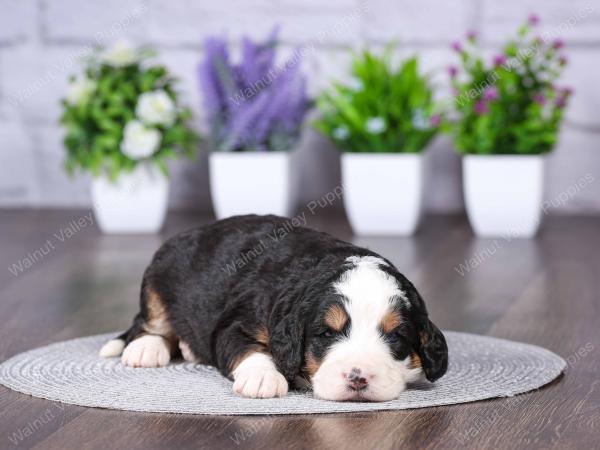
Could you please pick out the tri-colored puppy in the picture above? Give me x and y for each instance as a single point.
(273, 306)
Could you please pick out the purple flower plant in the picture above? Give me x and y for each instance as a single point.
(539, 98)
(500, 60)
(255, 104)
(533, 19)
(435, 120)
(490, 93)
(481, 107)
(457, 47)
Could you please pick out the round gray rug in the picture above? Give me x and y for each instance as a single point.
(72, 372)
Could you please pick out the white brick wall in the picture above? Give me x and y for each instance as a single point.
(575, 21)
(40, 41)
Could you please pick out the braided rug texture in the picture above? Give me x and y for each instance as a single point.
(71, 372)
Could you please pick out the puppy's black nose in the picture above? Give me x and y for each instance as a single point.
(356, 382)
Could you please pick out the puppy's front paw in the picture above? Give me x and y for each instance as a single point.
(147, 351)
(261, 383)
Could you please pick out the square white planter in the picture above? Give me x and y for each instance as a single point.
(250, 183)
(135, 203)
(503, 194)
(383, 192)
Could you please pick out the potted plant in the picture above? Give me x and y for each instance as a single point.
(508, 115)
(381, 120)
(122, 123)
(255, 110)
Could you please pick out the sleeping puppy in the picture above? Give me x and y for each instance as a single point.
(272, 305)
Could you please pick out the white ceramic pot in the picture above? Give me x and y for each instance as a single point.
(503, 194)
(135, 203)
(250, 183)
(383, 192)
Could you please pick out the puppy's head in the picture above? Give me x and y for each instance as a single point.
(370, 335)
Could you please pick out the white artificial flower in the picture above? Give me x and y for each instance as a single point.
(419, 121)
(341, 132)
(355, 84)
(139, 141)
(156, 108)
(376, 125)
(79, 90)
(122, 53)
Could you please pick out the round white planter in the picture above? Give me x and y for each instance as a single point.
(135, 203)
(503, 194)
(250, 183)
(383, 192)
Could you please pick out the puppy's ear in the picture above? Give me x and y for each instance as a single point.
(432, 350)
(286, 341)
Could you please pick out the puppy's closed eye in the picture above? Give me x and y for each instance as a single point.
(394, 336)
(329, 333)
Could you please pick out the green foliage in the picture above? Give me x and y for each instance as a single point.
(382, 110)
(512, 105)
(94, 121)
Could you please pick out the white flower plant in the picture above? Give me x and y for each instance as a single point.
(381, 109)
(123, 111)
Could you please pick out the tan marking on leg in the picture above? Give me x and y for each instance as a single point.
(158, 320)
(336, 317)
(262, 335)
(390, 321)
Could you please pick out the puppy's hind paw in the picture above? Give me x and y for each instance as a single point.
(147, 351)
(112, 348)
(186, 352)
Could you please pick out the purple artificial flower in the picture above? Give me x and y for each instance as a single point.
(255, 104)
(215, 76)
(558, 44)
(481, 107)
(562, 60)
(561, 102)
(539, 98)
(457, 46)
(435, 120)
(533, 19)
(471, 36)
(563, 95)
(490, 93)
(567, 91)
(452, 71)
(500, 60)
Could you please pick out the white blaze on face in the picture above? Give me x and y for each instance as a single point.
(370, 294)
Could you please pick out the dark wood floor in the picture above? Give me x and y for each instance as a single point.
(544, 291)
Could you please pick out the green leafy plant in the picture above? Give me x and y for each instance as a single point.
(510, 105)
(382, 109)
(123, 111)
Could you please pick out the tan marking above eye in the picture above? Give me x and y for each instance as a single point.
(336, 317)
(390, 321)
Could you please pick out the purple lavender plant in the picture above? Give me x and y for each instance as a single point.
(254, 105)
